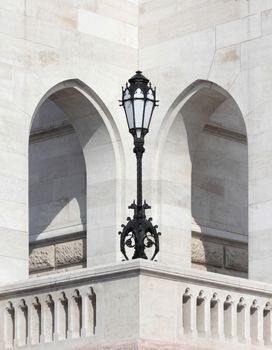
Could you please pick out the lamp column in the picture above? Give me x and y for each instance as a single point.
(139, 100)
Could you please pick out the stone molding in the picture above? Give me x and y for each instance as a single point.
(43, 134)
(141, 278)
(137, 268)
(143, 344)
(217, 130)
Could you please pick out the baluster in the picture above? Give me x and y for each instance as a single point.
(189, 313)
(242, 321)
(88, 312)
(202, 312)
(22, 323)
(9, 326)
(48, 319)
(256, 323)
(91, 311)
(229, 319)
(35, 321)
(267, 324)
(62, 317)
(216, 317)
(75, 314)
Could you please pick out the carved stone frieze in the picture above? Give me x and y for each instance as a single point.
(41, 258)
(205, 252)
(71, 252)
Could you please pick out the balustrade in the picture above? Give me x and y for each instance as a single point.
(223, 309)
(44, 318)
(228, 317)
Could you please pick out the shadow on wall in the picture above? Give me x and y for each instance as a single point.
(57, 171)
(219, 189)
(204, 188)
(74, 173)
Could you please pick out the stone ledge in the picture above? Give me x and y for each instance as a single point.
(157, 345)
(136, 268)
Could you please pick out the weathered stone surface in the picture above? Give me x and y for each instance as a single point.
(72, 252)
(142, 345)
(207, 253)
(236, 258)
(41, 258)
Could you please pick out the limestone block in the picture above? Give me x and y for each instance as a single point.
(266, 17)
(207, 253)
(41, 258)
(236, 258)
(45, 32)
(125, 11)
(178, 20)
(13, 269)
(11, 23)
(258, 6)
(236, 31)
(97, 25)
(256, 52)
(226, 66)
(72, 252)
(16, 6)
(13, 215)
(53, 13)
(195, 47)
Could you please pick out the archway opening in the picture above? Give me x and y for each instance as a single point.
(203, 173)
(72, 184)
(219, 186)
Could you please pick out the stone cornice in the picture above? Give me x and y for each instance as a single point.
(220, 131)
(130, 269)
(44, 134)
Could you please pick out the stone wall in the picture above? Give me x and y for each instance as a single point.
(208, 253)
(219, 255)
(57, 255)
(57, 175)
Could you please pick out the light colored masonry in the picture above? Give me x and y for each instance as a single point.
(67, 174)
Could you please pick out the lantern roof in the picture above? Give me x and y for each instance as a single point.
(138, 77)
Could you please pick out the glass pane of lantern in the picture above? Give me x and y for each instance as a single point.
(127, 95)
(138, 133)
(129, 113)
(148, 111)
(148, 108)
(128, 109)
(138, 107)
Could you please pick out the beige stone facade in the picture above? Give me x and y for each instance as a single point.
(67, 174)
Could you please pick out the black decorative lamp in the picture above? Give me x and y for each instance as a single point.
(139, 101)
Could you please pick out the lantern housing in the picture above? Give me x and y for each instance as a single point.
(139, 101)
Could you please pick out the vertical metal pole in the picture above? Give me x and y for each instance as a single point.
(139, 150)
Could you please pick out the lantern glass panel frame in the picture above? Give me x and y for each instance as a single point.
(138, 101)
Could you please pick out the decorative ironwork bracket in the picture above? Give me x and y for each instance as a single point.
(139, 233)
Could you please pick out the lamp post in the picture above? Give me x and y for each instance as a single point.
(139, 101)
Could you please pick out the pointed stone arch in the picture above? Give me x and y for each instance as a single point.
(197, 110)
(92, 124)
